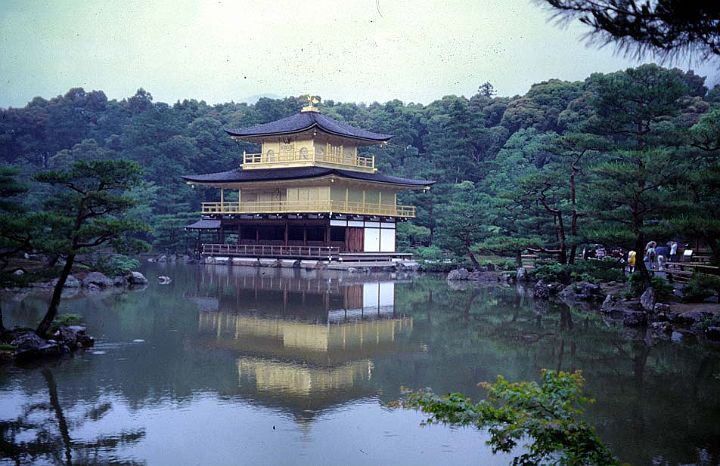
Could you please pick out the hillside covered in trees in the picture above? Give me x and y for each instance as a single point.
(618, 158)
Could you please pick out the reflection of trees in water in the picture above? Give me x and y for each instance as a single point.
(658, 395)
(48, 431)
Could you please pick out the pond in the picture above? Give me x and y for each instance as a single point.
(233, 365)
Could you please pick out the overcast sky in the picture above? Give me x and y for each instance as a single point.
(345, 50)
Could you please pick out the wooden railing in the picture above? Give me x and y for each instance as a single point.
(300, 207)
(304, 157)
(263, 250)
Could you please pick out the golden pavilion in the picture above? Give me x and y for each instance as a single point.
(308, 193)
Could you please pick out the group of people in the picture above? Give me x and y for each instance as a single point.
(655, 257)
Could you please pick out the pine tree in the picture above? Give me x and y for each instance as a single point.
(88, 210)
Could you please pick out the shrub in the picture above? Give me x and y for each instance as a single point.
(430, 253)
(499, 263)
(700, 287)
(409, 234)
(703, 324)
(116, 265)
(553, 272)
(663, 290)
(64, 320)
(548, 416)
(590, 271)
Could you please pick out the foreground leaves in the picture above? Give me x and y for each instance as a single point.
(547, 415)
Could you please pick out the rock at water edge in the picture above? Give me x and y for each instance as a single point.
(136, 278)
(98, 279)
(647, 300)
(458, 274)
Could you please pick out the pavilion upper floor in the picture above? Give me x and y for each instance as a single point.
(306, 190)
(318, 197)
(307, 150)
(309, 138)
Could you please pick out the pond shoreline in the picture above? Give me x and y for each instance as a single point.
(664, 320)
(21, 344)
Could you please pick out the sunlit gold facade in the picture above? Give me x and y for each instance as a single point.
(311, 191)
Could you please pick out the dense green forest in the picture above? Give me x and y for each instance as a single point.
(618, 158)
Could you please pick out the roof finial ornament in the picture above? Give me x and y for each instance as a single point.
(310, 107)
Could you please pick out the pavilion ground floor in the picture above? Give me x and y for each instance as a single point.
(296, 236)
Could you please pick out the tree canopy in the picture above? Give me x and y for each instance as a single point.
(536, 172)
(87, 209)
(660, 27)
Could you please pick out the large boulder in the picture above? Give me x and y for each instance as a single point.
(693, 317)
(661, 329)
(70, 282)
(119, 281)
(27, 341)
(98, 279)
(608, 303)
(73, 336)
(661, 308)
(647, 300)
(136, 278)
(582, 291)
(521, 274)
(458, 274)
(407, 266)
(634, 318)
(541, 290)
(30, 346)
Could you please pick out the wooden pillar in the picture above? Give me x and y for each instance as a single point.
(327, 234)
(286, 232)
(304, 235)
(239, 233)
(347, 229)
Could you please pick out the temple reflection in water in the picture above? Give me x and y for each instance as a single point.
(304, 341)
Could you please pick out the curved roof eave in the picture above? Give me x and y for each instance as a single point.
(287, 174)
(305, 121)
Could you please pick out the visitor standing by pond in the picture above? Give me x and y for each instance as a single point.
(673, 251)
(650, 255)
(631, 261)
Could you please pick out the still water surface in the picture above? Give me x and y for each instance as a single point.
(262, 366)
